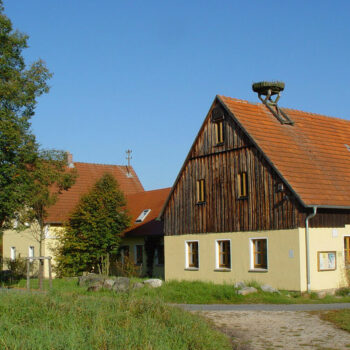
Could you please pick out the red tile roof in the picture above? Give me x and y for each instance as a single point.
(138, 202)
(312, 155)
(88, 175)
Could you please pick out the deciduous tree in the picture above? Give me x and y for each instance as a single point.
(49, 176)
(20, 87)
(94, 228)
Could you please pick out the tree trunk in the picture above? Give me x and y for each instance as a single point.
(41, 261)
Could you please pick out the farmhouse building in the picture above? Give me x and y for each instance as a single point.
(24, 244)
(264, 195)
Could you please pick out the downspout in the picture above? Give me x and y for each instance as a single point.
(307, 239)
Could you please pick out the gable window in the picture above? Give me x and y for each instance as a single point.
(219, 132)
(200, 191)
(258, 253)
(223, 254)
(138, 254)
(13, 253)
(347, 250)
(192, 254)
(242, 185)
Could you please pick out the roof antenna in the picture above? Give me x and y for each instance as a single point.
(270, 89)
(128, 158)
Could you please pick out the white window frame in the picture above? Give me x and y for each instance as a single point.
(217, 249)
(135, 253)
(187, 267)
(143, 215)
(251, 253)
(31, 250)
(13, 253)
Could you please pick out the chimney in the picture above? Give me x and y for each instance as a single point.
(266, 90)
(70, 160)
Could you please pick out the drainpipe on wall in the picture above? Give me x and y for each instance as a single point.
(308, 247)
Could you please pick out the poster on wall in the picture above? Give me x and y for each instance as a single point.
(327, 261)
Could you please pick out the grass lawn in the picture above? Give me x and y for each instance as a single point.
(70, 318)
(197, 292)
(210, 293)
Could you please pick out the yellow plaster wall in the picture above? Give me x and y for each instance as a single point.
(324, 239)
(24, 239)
(283, 270)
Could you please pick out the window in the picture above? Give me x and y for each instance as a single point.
(124, 253)
(259, 253)
(347, 250)
(200, 191)
(242, 185)
(138, 254)
(160, 255)
(219, 132)
(143, 215)
(223, 254)
(13, 253)
(31, 253)
(192, 254)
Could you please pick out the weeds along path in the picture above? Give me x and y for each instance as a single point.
(278, 330)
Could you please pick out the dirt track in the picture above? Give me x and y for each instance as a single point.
(279, 330)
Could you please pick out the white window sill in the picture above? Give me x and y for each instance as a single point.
(191, 268)
(223, 269)
(258, 270)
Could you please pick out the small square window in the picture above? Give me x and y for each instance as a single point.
(242, 185)
(223, 254)
(192, 254)
(259, 253)
(200, 191)
(219, 132)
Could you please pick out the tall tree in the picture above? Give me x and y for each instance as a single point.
(49, 176)
(94, 228)
(20, 87)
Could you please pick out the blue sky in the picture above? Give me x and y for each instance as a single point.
(141, 75)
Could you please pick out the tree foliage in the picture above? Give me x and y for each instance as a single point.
(20, 86)
(93, 230)
(49, 176)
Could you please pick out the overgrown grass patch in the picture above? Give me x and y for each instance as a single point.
(341, 318)
(72, 321)
(196, 292)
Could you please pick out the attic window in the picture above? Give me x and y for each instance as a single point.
(143, 215)
(219, 132)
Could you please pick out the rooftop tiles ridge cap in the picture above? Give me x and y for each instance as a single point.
(285, 108)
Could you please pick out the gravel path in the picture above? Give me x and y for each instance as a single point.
(279, 330)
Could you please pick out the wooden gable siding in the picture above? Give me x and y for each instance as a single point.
(205, 144)
(326, 218)
(265, 208)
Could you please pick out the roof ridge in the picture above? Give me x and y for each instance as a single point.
(286, 108)
(157, 189)
(116, 165)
